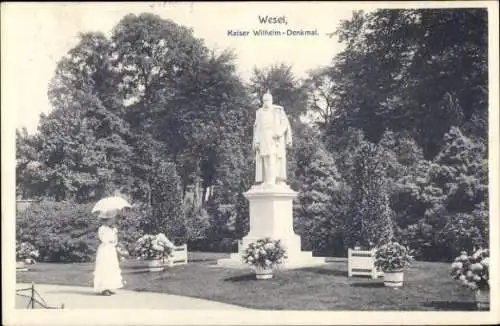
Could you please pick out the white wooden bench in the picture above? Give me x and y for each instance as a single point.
(180, 256)
(362, 262)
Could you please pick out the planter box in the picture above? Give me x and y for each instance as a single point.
(262, 273)
(482, 298)
(180, 256)
(394, 279)
(155, 265)
(362, 263)
(21, 266)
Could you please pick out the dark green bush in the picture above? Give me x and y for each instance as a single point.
(67, 232)
(226, 245)
(61, 231)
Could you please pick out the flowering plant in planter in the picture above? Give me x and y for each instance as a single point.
(122, 251)
(154, 247)
(25, 251)
(472, 271)
(264, 253)
(393, 257)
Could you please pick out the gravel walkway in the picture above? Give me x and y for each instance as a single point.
(74, 297)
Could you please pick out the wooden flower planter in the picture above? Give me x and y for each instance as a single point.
(21, 266)
(482, 298)
(362, 263)
(394, 279)
(263, 273)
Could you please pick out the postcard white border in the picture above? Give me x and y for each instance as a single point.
(185, 317)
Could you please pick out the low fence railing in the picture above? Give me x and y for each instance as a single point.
(35, 299)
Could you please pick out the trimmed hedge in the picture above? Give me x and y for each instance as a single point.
(67, 232)
(62, 232)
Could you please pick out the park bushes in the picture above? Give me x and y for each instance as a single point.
(61, 231)
(436, 206)
(67, 232)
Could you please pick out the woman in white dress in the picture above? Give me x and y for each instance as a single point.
(107, 274)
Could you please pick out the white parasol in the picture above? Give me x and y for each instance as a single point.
(110, 204)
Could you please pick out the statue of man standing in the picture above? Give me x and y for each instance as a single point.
(272, 134)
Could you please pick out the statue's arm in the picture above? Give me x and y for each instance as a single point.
(288, 132)
(255, 143)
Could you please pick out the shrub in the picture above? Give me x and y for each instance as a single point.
(472, 271)
(130, 226)
(62, 231)
(154, 247)
(197, 223)
(266, 253)
(370, 223)
(316, 208)
(67, 232)
(392, 257)
(26, 250)
(226, 245)
(167, 215)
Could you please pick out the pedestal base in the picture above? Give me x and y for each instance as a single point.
(271, 216)
(302, 259)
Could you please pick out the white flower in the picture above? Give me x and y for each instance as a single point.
(457, 264)
(486, 262)
(267, 262)
(477, 267)
(472, 285)
(269, 246)
(462, 278)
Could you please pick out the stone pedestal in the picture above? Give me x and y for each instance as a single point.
(271, 215)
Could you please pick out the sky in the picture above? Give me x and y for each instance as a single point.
(39, 35)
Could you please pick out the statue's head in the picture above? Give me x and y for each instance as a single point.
(267, 99)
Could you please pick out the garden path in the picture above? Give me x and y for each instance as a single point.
(75, 297)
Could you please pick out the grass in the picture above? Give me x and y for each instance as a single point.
(427, 286)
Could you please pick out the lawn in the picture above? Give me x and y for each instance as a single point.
(428, 286)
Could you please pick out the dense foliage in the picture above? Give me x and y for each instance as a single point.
(62, 231)
(67, 232)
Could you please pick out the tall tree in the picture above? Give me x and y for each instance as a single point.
(83, 140)
(185, 96)
(318, 204)
(30, 172)
(421, 70)
(322, 99)
(167, 213)
(287, 90)
(371, 219)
